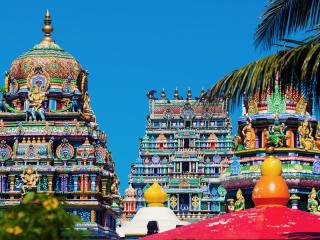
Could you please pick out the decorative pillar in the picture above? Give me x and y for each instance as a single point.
(50, 178)
(93, 183)
(86, 183)
(104, 187)
(93, 216)
(75, 183)
(11, 178)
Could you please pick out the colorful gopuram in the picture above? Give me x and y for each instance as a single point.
(281, 123)
(50, 141)
(187, 144)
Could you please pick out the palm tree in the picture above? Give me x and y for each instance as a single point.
(296, 65)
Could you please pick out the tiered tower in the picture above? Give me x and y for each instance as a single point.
(50, 141)
(187, 144)
(281, 124)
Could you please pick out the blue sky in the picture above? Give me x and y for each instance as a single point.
(130, 47)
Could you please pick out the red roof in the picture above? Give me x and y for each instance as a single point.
(270, 222)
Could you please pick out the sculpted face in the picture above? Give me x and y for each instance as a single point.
(29, 171)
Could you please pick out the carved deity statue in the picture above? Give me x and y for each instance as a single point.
(35, 99)
(240, 202)
(86, 103)
(29, 178)
(318, 136)
(230, 205)
(313, 202)
(249, 135)
(305, 135)
(114, 186)
(276, 135)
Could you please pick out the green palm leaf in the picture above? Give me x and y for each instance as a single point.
(283, 17)
(297, 67)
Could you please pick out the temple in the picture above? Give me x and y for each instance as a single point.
(187, 144)
(50, 141)
(281, 123)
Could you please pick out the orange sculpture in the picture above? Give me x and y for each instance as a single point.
(271, 188)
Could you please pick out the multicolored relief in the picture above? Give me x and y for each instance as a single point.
(50, 141)
(281, 124)
(186, 148)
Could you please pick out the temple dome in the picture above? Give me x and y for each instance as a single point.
(46, 58)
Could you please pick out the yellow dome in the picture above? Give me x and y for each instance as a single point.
(155, 195)
(271, 166)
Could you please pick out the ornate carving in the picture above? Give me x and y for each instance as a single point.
(249, 135)
(240, 203)
(29, 178)
(276, 135)
(305, 135)
(65, 150)
(301, 106)
(313, 202)
(5, 151)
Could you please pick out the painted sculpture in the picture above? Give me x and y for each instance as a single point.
(249, 135)
(240, 202)
(30, 178)
(313, 206)
(285, 125)
(276, 135)
(305, 135)
(317, 142)
(34, 105)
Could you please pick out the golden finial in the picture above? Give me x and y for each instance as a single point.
(155, 195)
(47, 29)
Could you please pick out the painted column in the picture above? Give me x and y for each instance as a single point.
(50, 177)
(93, 216)
(93, 183)
(11, 178)
(65, 180)
(75, 183)
(86, 183)
(104, 187)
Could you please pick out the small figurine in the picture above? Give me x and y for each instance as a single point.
(305, 135)
(313, 202)
(230, 205)
(114, 186)
(240, 203)
(276, 136)
(29, 178)
(318, 136)
(249, 135)
(34, 104)
(86, 103)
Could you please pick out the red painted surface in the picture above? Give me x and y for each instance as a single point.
(271, 222)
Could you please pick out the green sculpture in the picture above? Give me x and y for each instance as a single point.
(313, 202)
(276, 136)
(240, 203)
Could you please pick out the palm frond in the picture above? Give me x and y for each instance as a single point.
(297, 67)
(283, 17)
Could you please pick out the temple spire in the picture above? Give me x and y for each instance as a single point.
(176, 94)
(189, 94)
(163, 94)
(47, 29)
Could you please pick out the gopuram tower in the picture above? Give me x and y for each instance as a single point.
(186, 146)
(50, 141)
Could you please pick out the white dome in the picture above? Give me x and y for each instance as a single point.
(138, 225)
